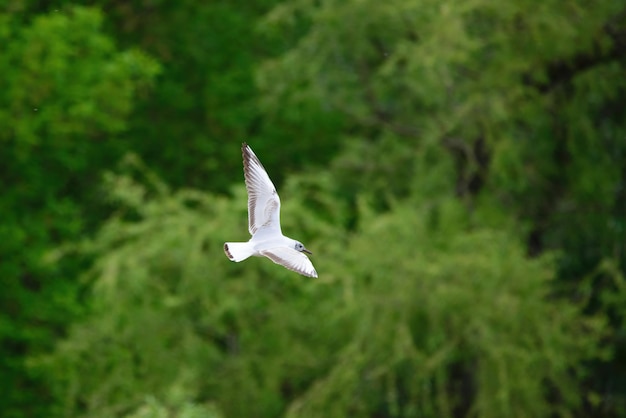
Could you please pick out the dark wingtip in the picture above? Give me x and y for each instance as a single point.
(227, 251)
(245, 151)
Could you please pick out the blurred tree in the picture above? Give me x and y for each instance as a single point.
(424, 306)
(74, 104)
(529, 100)
(67, 91)
(206, 101)
(174, 320)
(451, 321)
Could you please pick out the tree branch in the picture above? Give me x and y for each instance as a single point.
(562, 71)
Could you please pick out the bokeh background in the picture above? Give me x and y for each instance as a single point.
(458, 168)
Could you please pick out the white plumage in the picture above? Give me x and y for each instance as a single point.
(264, 223)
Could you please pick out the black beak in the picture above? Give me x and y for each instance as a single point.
(306, 251)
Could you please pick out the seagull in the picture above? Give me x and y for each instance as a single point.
(264, 223)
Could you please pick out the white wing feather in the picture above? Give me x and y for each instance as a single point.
(263, 201)
(291, 259)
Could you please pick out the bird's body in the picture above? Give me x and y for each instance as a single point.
(264, 223)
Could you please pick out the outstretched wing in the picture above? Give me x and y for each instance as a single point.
(291, 259)
(263, 201)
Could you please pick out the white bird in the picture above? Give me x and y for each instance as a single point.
(264, 223)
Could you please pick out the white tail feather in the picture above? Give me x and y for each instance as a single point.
(238, 251)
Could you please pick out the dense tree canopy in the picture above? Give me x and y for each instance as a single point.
(457, 167)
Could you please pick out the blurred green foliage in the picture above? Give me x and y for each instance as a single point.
(67, 92)
(450, 310)
(458, 169)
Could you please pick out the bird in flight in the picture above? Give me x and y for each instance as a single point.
(264, 223)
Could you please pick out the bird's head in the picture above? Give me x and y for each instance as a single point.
(298, 246)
